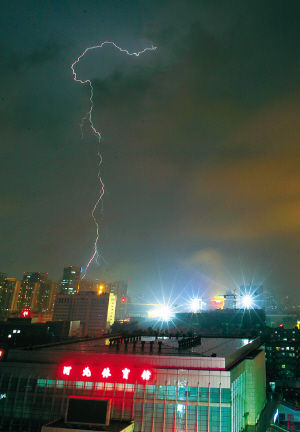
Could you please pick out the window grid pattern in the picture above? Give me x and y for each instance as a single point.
(31, 402)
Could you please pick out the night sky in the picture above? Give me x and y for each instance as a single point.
(201, 155)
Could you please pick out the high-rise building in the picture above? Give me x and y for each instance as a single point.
(111, 309)
(7, 290)
(95, 312)
(28, 290)
(45, 296)
(282, 354)
(70, 280)
(119, 288)
(35, 292)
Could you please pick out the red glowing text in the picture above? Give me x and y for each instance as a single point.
(86, 372)
(146, 374)
(109, 373)
(106, 373)
(125, 373)
(67, 370)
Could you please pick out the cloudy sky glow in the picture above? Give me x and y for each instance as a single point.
(200, 142)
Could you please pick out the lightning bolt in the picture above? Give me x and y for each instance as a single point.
(97, 133)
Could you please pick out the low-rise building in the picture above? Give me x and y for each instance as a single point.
(162, 385)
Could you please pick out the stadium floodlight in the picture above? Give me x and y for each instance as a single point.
(162, 312)
(196, 304)
(165, 312)
(247, 301)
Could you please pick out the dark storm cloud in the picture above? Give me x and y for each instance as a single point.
(200, 140)
(47, 53)
(44, 52)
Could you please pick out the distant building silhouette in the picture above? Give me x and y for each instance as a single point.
(95, 312)
(7, 292)
(70, 280)
(36, 293)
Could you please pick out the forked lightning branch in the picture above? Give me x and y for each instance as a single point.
(97, 133)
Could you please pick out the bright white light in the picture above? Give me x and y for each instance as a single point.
(162, 312)
(180, 408)
(247, 301)
(275, 416)
(196, 304)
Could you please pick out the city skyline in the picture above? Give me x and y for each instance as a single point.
(200, 143)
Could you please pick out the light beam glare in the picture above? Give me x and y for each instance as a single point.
(97, 133)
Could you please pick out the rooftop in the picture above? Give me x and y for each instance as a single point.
(226, 350)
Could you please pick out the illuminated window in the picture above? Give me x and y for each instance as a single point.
(171, 392)
(99, 386)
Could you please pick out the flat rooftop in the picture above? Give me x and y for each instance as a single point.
(214, 352)
(219, 347)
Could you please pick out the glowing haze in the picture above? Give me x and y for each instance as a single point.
(200, 144)
(97, 133)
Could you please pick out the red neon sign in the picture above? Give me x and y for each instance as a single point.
(86, 372)
(96, 372)
(25, 313)
(1, 353)
(125, 373)
(123, 299)
(67, 370)
(146, 375)
(106, 372)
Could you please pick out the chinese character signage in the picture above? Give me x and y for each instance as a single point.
(105, 373)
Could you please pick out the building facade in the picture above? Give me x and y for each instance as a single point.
(95, 312)
(218, 386)
(70, 280)
(28, 290)
(35, 293)
(119, 288)
(283, 355)
(7, 292)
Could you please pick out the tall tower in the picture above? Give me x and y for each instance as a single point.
(7, 289)
(29, 289)
(42, 300)
(70, 280)
(119, 288)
